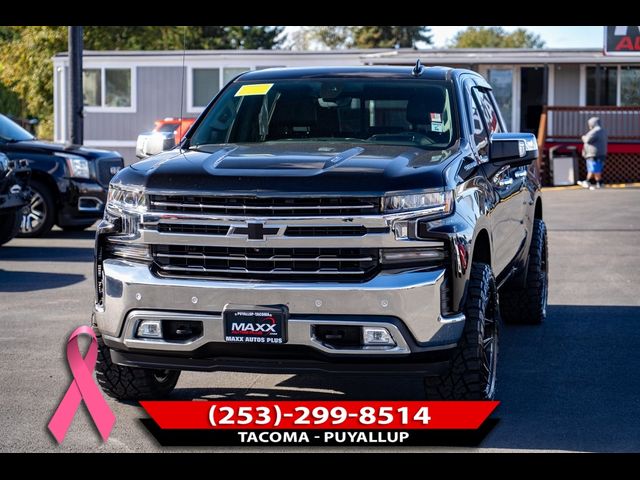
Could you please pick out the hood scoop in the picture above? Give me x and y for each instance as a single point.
(216, 158)
(231, 158)
(342, 156)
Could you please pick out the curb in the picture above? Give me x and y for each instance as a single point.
(578, 187)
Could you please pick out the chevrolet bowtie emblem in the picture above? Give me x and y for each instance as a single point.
(256, 231)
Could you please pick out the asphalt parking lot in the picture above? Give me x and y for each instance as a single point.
(571, 384)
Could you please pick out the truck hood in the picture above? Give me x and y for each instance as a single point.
(291, 167)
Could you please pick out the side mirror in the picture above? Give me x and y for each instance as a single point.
(155, 142)
(515, 149)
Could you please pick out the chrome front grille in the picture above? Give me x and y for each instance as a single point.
(296, 264)
(272, 206)
(290, 231)
(193, 229)
(329, 231)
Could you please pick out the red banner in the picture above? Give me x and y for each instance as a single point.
(334, 415)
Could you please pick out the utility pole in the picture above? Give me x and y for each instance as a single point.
(76, 103)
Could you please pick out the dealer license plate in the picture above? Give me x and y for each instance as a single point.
(258, 325)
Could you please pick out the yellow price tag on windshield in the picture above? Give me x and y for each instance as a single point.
(257, 89)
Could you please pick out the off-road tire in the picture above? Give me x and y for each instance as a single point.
(9, 225)
(528, 305)
(472, 372)
(129, 383)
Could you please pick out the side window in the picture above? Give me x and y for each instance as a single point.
(488, 111)
(480, 137)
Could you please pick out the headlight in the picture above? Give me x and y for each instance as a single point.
(122, 199)
(433, 203)
(78, 166)
(124, 207)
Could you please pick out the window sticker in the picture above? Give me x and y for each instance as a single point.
(257, 89)
(435, 117)
(437, 127)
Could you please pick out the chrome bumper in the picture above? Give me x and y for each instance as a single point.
(413, 298)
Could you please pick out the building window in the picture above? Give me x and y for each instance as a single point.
(501, 81)
(107, 89)
(630, 86)
(117, 87)
(602, 85)
(205, 84)
(92, 87)
(229, 74)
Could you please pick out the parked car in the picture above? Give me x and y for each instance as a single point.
(166, 134)
(14, 195)
(69, 183)
(365, 219)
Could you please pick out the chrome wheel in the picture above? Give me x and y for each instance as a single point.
(489, 356)
(34, 214)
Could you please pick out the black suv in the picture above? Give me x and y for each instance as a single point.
(336, 219)
(69, 183)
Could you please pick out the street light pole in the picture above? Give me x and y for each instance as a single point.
(76, 104)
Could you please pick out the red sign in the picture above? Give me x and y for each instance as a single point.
(307, 415)
(622, 40)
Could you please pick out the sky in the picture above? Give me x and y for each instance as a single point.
(555, 37)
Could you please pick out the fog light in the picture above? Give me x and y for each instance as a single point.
(130, 251)
(377, 336)
(150, 329)
(390, 256)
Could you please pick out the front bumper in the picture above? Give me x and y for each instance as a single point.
(82, 203)
(407, 304)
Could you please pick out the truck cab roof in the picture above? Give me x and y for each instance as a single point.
(378, 72)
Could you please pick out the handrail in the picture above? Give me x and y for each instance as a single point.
(570, 122)
(542, 136)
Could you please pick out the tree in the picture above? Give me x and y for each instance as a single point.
(496, 37)
(361, 37)
(25, 55)
(390, 37)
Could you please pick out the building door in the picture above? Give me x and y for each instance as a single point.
(532, 97)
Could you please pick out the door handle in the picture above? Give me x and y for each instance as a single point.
(505, 182)
(520, 174)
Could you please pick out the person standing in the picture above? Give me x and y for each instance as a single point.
(594, 151)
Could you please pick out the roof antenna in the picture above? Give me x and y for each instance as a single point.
(417, 70)
(185, 143)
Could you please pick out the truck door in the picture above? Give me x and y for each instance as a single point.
(508, 184)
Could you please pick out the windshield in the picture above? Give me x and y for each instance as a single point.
(12, 132)
(392, 112)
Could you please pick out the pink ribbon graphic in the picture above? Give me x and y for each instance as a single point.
(82, 388)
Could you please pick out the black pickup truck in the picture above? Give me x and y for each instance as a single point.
(360, 220)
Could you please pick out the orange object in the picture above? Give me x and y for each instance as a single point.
(178, 126)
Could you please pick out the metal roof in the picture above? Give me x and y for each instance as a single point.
(403, 56)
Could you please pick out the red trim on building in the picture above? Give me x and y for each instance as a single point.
(611, 147)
